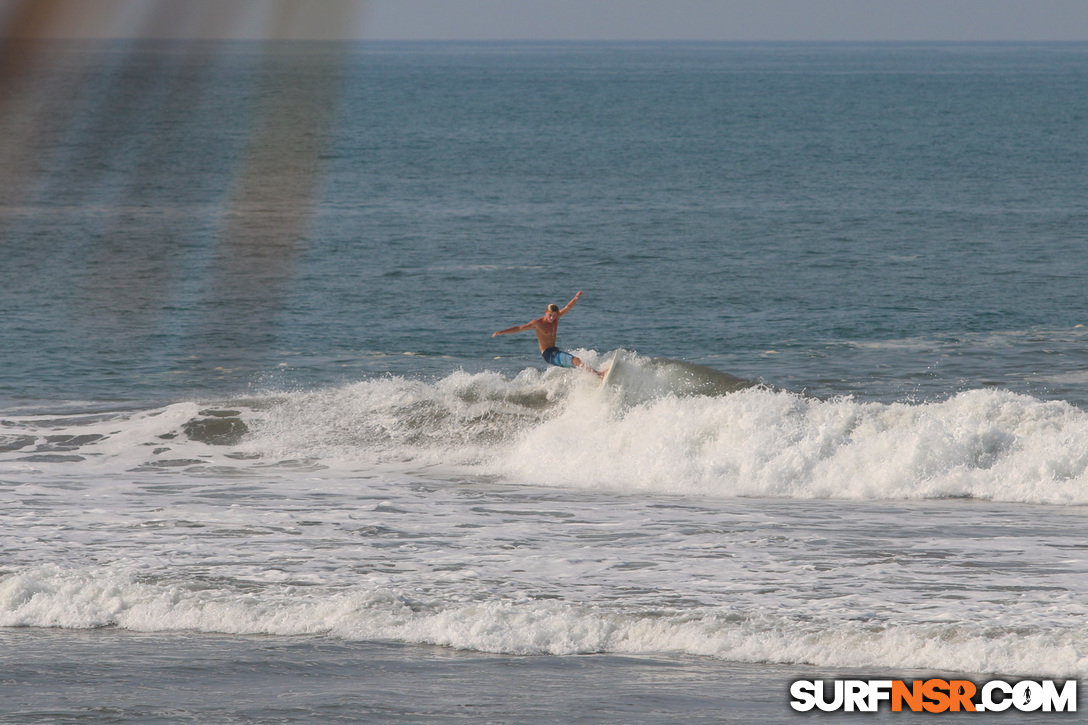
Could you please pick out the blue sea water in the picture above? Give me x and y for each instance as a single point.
(249, 387)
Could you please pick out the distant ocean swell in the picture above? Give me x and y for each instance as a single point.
(557, 429)
(55, 597)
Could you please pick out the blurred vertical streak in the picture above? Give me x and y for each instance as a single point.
(152, 121)
(156, 195)
(33, 114)
(270, 210)
(40, 89)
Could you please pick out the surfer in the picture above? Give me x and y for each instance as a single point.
(546, 328)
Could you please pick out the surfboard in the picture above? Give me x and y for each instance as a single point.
(611, 376)
(649, 377)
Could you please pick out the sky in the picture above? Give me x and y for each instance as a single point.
(613, 20)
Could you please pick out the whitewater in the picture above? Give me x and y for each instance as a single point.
(545, 514)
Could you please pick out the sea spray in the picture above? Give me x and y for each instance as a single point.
(560, 428)
(985, 444)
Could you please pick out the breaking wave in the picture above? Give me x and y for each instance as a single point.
(53, 597)
(562, 429)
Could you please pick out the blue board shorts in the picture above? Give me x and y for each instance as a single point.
(555, 356)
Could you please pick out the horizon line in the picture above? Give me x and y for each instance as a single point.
(567, 41)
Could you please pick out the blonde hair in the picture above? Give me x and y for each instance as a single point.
(553, 308)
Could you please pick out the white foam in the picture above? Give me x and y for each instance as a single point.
(120, 440)
(301, 529)
(990, 445)
(560, 429)
(53, 597)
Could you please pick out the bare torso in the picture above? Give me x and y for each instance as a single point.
(545, 331)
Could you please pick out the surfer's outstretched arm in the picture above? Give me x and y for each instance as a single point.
(515, 328)
(570, 304)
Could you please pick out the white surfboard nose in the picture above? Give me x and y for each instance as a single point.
(645, 378)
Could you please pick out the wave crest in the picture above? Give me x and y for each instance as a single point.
(560, 428)
(55, 597)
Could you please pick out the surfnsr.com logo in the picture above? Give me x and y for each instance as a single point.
(933, 695)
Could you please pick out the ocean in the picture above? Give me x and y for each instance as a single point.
(261, 459)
